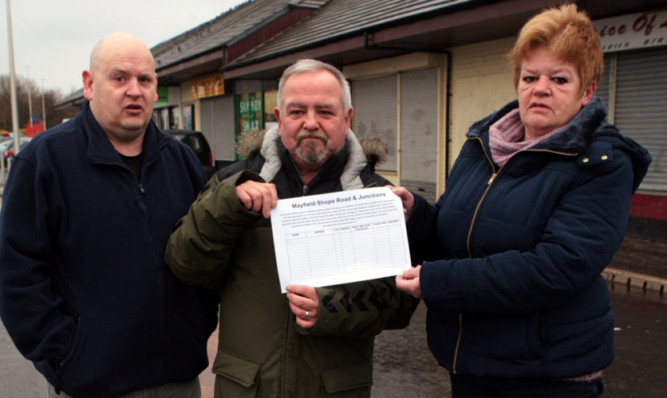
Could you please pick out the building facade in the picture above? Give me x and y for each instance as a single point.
(421, 72)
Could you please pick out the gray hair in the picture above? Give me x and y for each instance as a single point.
(312, 65)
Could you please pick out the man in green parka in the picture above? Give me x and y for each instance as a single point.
(311, 342)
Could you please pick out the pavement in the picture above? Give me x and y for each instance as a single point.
(404, 367)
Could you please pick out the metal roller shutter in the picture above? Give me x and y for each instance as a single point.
(217, 125)
(419, 131)
(374, 102)
(641, 108)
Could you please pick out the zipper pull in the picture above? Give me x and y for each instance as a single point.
(493, 177)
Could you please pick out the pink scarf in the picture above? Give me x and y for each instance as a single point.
(506, 138)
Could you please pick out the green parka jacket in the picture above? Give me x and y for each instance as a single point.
(261, 350)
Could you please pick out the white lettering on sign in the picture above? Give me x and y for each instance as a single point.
(632, 31)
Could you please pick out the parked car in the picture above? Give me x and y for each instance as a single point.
(7, 148)
(197, 142)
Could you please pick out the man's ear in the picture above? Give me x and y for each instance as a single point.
(87, 77)
(276, 112)
(348, 117)
(156, 96)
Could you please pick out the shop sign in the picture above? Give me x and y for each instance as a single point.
(162, 96)
(632, 31)
(250, 111)
(207, 87)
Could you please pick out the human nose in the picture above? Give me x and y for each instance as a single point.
(311, 122)
(133, 89)
(542, 86)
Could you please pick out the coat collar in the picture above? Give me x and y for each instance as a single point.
(588, 136)
(575, 137)
(347, 164)
(100, 149)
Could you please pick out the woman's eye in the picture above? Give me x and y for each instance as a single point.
(559, 80)
(529, 79)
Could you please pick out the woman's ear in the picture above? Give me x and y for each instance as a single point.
(588, 93)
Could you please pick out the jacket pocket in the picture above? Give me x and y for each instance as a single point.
(52, 368)
(348, 381)
(237, 377)
(76, 371)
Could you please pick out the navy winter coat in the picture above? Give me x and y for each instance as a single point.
(82, 276)
(513, 255)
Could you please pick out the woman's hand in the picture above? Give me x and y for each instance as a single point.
(408, 282)
(407, 199)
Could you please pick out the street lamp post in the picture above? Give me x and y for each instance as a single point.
(43, 107)
(12, 79)
(29, 97)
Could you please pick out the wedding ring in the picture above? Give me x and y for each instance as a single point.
(307, 313)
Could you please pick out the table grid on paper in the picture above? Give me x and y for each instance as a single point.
(335, 250)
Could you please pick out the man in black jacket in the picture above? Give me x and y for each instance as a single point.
(86, 213)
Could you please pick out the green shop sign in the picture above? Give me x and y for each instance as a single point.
(162, 96)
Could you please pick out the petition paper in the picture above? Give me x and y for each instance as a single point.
(340, 237)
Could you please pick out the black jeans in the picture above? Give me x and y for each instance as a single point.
(524, 387)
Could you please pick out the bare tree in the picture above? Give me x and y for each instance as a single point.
(51, 97)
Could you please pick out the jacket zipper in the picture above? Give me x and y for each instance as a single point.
(474, 217)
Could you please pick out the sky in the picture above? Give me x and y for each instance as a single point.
(52, 39)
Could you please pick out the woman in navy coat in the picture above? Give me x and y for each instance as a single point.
(535, 207)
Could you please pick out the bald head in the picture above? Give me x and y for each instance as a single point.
(115, 42)
(121, 87)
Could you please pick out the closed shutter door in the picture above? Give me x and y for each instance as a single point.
(374, 102)
(217, 125)
(602, 90)
(206, 114)
(419, 132)
(641, 108)
(223, 125)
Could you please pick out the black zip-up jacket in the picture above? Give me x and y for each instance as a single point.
(84, 291)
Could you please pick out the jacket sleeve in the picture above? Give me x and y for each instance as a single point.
(579, 239)
(422, 237)
(39, 323)
(362, 309)
(200, 246)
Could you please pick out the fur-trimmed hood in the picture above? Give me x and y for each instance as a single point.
(265, 142)
(250, 144)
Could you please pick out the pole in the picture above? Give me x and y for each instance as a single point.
(43, 107)
(29, 97)
(12, 79)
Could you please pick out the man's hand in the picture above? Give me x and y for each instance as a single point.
(259, 197)
(303, 302)
(407, 199)
(408, 281)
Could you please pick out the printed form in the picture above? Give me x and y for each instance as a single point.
(340, 237)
